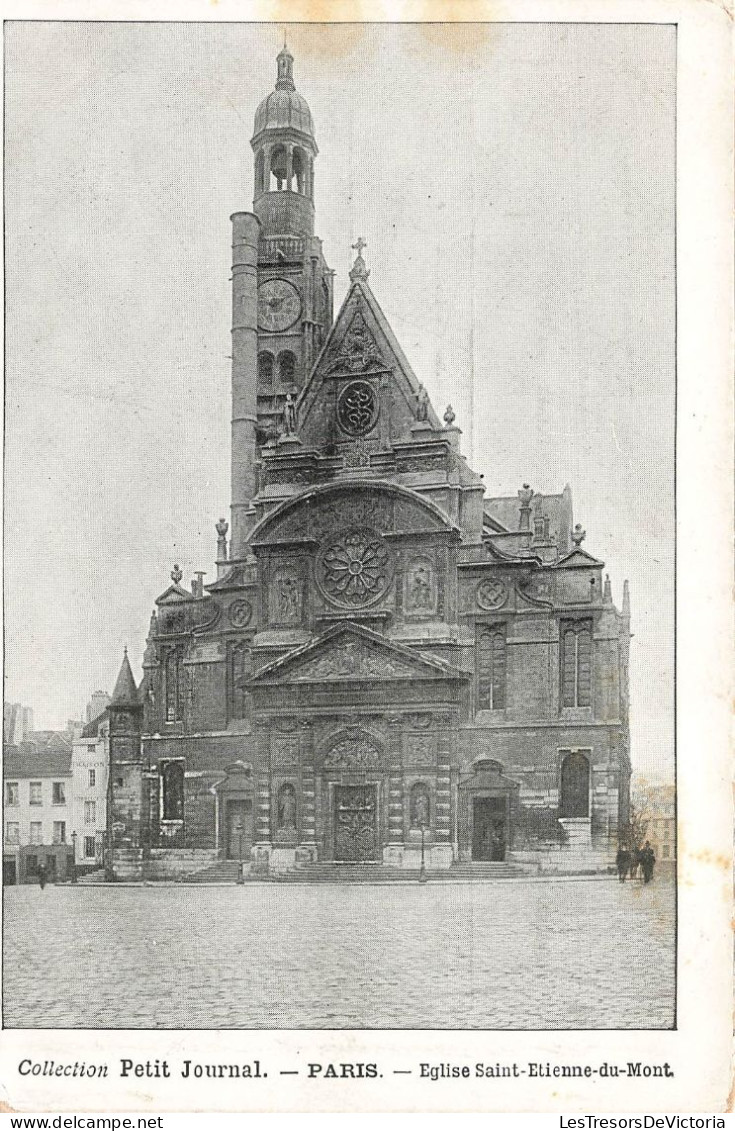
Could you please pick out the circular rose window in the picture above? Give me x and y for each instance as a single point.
(357, 408)
(354, 569)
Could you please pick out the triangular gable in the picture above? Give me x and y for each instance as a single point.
(579, 559)
(174, 595)
(349, 652)
(359, 343)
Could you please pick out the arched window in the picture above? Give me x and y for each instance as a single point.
(299, 170)
(574, 799)
(172, 791)
(260, 172)
(279, 167)
(491, 657)
(576, 663)
(287, 367)
(265, 368)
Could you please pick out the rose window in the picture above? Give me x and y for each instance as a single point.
(355, 569)
(357, 408)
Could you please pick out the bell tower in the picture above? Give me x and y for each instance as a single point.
(294, 283)
(282, 290)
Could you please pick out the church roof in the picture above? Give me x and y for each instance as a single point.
(125, 693)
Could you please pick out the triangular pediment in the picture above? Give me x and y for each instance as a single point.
(579, 559)
(360, 345)
(350, 652)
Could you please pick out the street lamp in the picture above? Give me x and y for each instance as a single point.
(240, 875)
(74, 857)
(422, 870)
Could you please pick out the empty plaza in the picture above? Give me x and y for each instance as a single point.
(518, 954)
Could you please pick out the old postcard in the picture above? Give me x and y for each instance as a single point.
(367, 510)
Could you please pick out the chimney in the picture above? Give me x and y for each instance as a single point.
(245, 231)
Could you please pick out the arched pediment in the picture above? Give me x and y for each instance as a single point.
(387, 508)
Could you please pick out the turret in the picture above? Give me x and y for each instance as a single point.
(245, 233)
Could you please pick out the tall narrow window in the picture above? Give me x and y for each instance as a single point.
(287, 367)
(36, 832)
(491, 668)
(59, 832)
(12, 794)
(172, 673)
(172, 791)
(90, 812)
(576, 663)
(574, 800)
(240, 670)
(265, 368)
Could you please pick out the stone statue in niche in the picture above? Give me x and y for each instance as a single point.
(422, 405)
(420, 587)
(286, 598)
(420, 816)
(287, 809)
(289, 416)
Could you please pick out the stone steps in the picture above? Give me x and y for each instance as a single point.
(223, 872)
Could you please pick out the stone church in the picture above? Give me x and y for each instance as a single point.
(388, 661)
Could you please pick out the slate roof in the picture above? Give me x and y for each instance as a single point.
(126, 692)
(30, 762)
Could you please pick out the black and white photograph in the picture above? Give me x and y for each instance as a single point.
(340, 526)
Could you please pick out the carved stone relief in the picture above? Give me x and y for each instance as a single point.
(353, 754)
(285, 751)
(351, 657)
(420, 750)
(358, 352)
(491, 593)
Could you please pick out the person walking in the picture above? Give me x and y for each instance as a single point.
(42, 876)
(622, 863)
(648, 861)
(635, 859)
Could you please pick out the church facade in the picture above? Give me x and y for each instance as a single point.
(388, 661)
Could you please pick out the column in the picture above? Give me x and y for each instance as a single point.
(442, 854)
(393, 853)
(262, 786)
(307, 847)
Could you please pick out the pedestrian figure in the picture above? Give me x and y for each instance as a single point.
(648, 860)
(42, 875)
(635, 859)
(622, 863)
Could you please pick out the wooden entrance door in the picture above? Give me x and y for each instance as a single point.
(489, 828)
(355, 823)
(238, 829)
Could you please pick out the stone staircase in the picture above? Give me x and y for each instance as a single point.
(330, 873)
(221, 872)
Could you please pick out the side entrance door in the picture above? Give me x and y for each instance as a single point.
(355, 823)
(238, 829)
(489, 828)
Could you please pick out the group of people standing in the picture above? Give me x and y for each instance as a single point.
(629, 860)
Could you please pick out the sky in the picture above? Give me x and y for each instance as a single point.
(515, 186)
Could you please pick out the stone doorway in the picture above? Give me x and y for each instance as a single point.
(238, 829)
(489, 828)
(356, 823)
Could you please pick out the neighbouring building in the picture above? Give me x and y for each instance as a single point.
(655, 808)
(387, 655)
(89, 764)
(97, 704)
(36, 814)
(17, 723)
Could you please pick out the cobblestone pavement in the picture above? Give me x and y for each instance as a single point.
(515, 955)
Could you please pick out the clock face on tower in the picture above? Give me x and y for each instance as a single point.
(279, 305)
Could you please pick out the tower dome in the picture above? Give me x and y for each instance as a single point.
(284, 108)
(284, 148)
